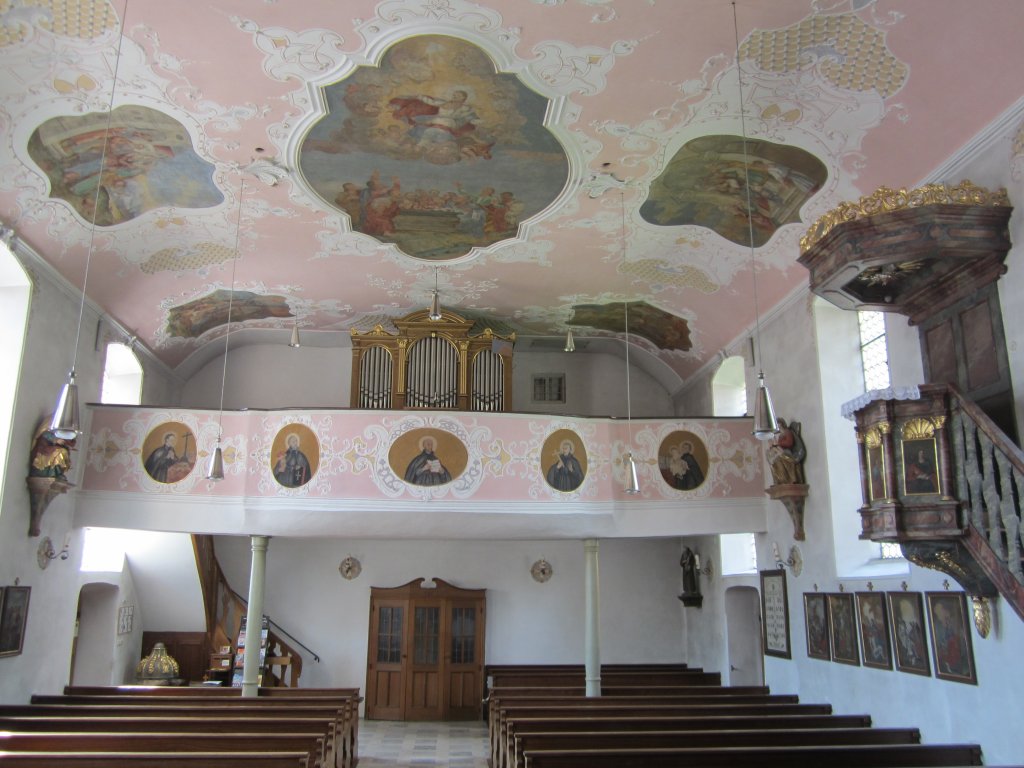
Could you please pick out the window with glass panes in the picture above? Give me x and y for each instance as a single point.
(463, 635)
(389, 635)
(873, 350)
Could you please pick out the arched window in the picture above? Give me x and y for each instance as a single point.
(122, 377)
(15, 291)
(729, 388)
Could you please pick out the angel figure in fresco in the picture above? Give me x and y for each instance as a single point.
(445, 129)
(786, 454)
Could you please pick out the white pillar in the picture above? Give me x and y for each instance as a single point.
(592, 642)
(254, 617)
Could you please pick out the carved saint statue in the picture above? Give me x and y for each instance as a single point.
(51, 455)
(786, 455)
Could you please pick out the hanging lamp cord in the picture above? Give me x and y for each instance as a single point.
(746, 184)
(625, 304)
(231, 302)
(99, 185)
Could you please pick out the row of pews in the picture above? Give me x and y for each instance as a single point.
(670, 715)
(200, 727)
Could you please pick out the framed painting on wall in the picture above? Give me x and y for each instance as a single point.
(907, 615)
(842, 628)
(775, 614)
(13, 618)
(949, 625)
(875, 637)
(816, 621)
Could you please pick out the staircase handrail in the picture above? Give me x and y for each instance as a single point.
(989, 480)
(277, 627)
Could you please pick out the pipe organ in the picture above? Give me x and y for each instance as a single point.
(432, 364)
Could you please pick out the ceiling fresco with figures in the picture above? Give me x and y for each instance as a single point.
(545, 162)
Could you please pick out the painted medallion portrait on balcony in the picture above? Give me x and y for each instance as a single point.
(428, 457)
(295, 455)
(683, 461)
(563, 460)
(169, 452)
(433, 150)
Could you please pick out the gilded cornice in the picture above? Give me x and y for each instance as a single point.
(886, 200)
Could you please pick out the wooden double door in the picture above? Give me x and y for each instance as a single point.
(425, 658)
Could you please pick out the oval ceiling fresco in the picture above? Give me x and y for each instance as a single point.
(433, 150)
(703, 185)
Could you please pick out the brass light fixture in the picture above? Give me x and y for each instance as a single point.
(435, 302)
(216, 468)
(66, 423)
(765, 424)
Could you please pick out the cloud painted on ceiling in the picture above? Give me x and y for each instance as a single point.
(703, 185)
(433, 150)
(149, 163)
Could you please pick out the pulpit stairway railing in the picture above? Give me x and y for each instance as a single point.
(989, 472)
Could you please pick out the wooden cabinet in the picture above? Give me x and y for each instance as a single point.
(426, 652)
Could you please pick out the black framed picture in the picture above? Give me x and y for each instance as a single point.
(842, 628)
(949, 624)
(816, 622)
(875, 637)
(13, 618)
(775, 614)
(906, 611)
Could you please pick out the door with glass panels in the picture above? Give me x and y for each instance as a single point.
(426, 647)
(385, 672)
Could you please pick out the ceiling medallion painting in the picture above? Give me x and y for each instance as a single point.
(703, 185)
(664, 330)
(433, 150)
(192, 320)
(149, 163)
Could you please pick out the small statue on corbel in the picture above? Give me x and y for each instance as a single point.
(690, 563)
(49, 463)
(786, 456)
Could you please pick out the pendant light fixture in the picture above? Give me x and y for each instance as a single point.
(216, 468)
(65, 423)
(295, 343)
(435, 302)
(570, 345)
(765, 424)
(632, 481)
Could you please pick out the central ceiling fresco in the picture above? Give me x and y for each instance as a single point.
(433, 150)
(544, 163)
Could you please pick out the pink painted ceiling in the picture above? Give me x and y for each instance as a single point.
(538, 158)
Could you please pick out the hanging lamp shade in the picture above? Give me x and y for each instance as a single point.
(216, 468)
(295, 343)
(570, 345)
(632, 481)
(65, 419)
(765, 424)
(435, 307)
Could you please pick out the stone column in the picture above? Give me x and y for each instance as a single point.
(592, 642)
(254, 617)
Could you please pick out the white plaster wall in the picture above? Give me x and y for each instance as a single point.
(526, 621)
(44, 665)
(276, 376)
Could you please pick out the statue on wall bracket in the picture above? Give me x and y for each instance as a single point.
(786, 456)
(49, 462)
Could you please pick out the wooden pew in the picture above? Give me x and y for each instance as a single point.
(635, 708)
(532, 741)
(840, 756)
(576, 679)
(153, 760)
(352, 697)
(341, 727)
(311, 744)
(633, 690)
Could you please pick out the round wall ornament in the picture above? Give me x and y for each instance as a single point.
(541, 570)
(350, 568)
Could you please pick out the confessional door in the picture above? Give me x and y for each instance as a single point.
(426, 652)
